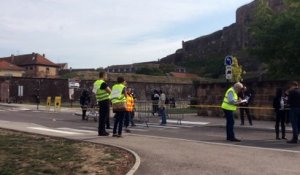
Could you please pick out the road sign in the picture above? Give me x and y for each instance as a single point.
(228, 72)
(228, 60)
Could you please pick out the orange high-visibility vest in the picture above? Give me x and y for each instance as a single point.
(129, 103)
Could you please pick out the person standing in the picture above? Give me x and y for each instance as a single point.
(279, 107)
(102, 91)
(245, 94)
(162, 107)
(118, 99)
(294, 104)
(155, 98)
(84, 102)
(229, 106)
(129, 109)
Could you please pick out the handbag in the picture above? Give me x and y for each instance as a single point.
(120, 106)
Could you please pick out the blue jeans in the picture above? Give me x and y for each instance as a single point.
(162, 112)
(229, 124)
(295, 121)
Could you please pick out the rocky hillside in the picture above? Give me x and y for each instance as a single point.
(205, 55)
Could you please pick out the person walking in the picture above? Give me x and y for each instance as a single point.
(245, 94)
(84, 102)
(129, 109)
(279, 107)
(294, 104)
(162, 107)
(229, 106)
(118, 99)
(102, 91)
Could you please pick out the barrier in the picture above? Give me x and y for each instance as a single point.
(147, 110)
(57, 103)
(48, 104)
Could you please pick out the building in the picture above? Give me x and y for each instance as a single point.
(35, 65)
(10, 70)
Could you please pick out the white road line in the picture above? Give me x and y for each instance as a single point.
(54, 130)
(158, 126)
(189, 122)
(77, 130)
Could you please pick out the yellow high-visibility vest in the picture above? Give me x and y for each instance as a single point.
(226, 105)
(101, 94)
(116, 93)
(129, 103)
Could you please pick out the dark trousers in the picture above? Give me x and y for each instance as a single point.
(295, 121)
(280, 119)
(242, 112)
(229, 124)
(83, 114)
(103, 115)
(119, 116)
(128, 119)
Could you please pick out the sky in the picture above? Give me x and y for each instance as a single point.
(99, 33)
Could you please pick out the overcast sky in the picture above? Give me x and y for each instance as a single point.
(99, 33)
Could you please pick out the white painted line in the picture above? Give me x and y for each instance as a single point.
(188, 122)
(1, 110)
(77, 130)
(54, 130)
(157, 126)
(135, 129)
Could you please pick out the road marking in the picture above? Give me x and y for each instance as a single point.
(77, 130)
(156, 126)
(189, 122)
(218, 144)
(54, 130)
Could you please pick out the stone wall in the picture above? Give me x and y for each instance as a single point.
(213, 94)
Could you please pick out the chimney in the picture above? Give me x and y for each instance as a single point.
(44, 55)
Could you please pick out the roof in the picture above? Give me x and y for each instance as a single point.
(4, 65)
(29, 59)
(183, 75)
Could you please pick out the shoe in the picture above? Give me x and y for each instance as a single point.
(115, 135)
(277, 138)
(103, 134)
(127, 130)
(234, 140)
(284, 138)
(293, 141)
(119, 135)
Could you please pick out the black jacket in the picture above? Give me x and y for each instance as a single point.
(294, 98)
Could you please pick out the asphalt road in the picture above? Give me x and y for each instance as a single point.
(174, 149)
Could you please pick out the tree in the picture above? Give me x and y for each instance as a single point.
(277, 38)
(237, 71)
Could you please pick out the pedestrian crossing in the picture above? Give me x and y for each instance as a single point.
(87, 130)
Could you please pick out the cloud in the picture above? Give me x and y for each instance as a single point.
(118, 31)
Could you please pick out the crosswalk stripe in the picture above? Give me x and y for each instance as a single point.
(54, 130)
(189, 122)
(77, 130)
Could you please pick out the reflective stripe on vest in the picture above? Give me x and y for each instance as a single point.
(226, 105)
(116, 93)
(101, 94)
(129, 103)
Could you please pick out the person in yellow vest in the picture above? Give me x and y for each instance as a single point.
(129, 109)
(118, 96)
(229, 106)
(102, 91)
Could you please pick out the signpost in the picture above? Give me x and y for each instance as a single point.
(228, 67)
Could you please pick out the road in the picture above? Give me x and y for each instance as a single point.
(196, 148)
